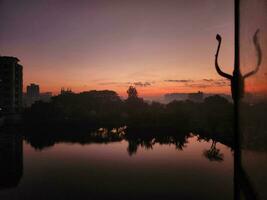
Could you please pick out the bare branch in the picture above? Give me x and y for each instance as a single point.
(259, 55)
(219, 71)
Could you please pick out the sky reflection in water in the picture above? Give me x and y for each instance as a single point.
(97, 171)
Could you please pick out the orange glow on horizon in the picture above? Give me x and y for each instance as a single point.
(157, 89)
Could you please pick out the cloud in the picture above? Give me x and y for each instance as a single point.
(137, 83)
(142, 84)
(221, 82)
(202, 83)
(207, 80)
(205, 83)
(178, 81)
(198, 85)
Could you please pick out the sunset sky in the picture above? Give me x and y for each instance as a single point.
(158, 46)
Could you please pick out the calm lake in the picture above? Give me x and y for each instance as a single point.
(200, 170)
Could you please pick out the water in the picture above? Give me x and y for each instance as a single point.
(115, 170)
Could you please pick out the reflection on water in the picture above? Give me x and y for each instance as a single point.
(11, 160)
(213, 154)
(255, 163)
(114, 165)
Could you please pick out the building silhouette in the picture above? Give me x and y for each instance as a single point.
(11, 85)
(33, 90)
(33, 94)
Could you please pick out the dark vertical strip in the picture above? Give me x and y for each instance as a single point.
(237, 150)
(237, 34)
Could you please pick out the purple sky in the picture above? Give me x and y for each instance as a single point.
(85, 44)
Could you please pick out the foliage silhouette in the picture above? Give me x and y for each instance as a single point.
(213, 154)
(87, 111)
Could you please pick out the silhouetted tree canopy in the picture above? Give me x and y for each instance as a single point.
(106, 109)
(216, 99)
(132, 93)
(94, 109)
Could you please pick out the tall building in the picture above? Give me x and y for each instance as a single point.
(11, 85)
(33, 90)
(33, 95)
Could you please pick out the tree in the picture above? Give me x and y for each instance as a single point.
(216, 100)
(213, 154)
(132, 93)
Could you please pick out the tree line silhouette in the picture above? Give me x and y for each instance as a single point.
(107, 109)
(88, 111)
